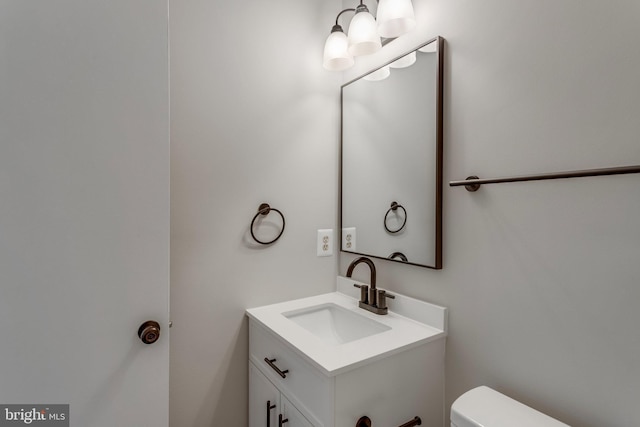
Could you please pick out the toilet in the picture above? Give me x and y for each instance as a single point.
(485, 407)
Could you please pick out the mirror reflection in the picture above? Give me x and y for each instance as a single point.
(391, 160)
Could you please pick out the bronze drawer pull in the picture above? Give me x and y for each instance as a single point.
(275, 368)
(414, 422)
(269, 408)
(366, 422)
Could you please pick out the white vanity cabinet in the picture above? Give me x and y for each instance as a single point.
(390, 391)
(324, 362)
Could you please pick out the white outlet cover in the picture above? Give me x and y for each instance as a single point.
(349, 239)
(325, 242)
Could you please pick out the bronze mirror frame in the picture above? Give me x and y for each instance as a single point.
(437, 261)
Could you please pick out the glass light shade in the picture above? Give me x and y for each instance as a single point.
(395, 18)
(378, 75)
(336, 52)
(405, 61)
(363, 34)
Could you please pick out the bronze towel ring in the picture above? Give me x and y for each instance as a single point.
(264, 209)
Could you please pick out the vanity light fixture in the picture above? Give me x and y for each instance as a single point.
(395, 17)
(363, 33)
(336, 48)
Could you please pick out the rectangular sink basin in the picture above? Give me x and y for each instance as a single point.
(335, 325)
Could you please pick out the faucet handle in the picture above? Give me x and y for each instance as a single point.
(382, 298)
(364, 293)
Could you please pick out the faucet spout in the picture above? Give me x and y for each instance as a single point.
(373, 294)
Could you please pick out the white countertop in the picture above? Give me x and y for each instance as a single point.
(405, 332)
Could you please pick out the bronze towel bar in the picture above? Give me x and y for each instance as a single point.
(473, 183)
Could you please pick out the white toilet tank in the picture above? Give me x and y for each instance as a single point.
(485, 407)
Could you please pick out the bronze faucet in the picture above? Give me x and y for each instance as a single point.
(375, 302)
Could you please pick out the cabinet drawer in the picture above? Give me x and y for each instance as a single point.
(307, 388)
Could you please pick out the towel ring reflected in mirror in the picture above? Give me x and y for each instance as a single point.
(398, 255)
(394, 208)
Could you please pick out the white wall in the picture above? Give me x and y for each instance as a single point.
(254, 119)
(542, 279)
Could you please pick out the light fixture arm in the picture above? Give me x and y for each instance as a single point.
(338, 17)
(352, 10)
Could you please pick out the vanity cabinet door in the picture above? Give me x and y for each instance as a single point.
(264, 400)
(268, 407)
(294, 417)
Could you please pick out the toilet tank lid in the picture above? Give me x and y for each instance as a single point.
(485, 407)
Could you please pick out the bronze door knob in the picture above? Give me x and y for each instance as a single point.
(149, 332)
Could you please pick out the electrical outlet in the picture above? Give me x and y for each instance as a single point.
(325, 242)
(349, 239)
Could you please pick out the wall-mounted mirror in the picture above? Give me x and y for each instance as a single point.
(391, 160)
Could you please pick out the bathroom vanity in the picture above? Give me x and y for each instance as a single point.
(324, 362)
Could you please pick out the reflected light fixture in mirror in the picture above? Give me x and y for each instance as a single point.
(430, 48)
(404, 62)
(396, 17)
(378, 75)
(384, 72)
